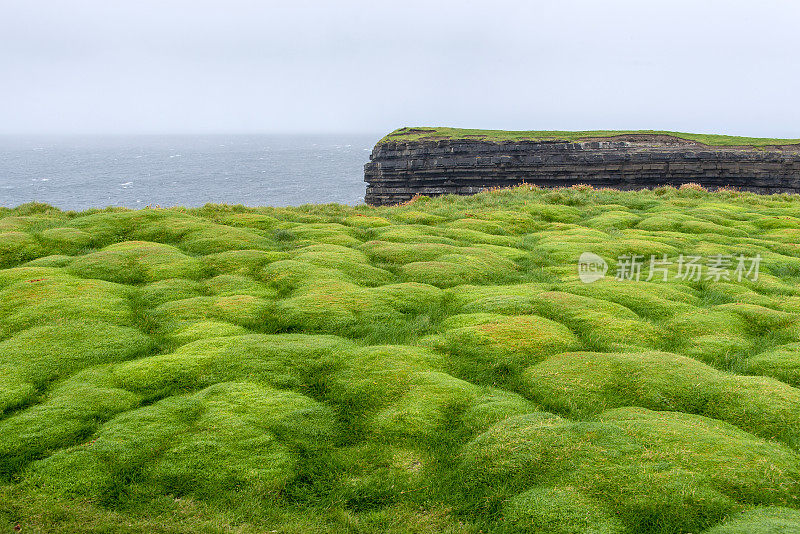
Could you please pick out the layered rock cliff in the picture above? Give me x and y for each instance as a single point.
(399, 170)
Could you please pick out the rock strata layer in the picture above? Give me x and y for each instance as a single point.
(398, 171)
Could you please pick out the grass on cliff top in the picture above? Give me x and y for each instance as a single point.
(441, 133)
(430, 367)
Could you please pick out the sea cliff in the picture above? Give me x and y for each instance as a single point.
(401, 169)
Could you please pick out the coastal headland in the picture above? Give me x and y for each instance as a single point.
(435, 161)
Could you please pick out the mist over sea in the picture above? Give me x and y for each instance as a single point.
(77, 173)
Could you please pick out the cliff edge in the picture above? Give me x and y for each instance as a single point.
(436, 161)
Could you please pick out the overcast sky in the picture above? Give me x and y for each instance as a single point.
(195, 66)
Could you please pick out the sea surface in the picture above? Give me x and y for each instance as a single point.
(77, 173)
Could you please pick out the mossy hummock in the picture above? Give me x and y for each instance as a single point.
(432, 367)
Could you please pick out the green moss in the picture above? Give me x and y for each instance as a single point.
(402, 253)
(289, 275)
(39, 295)
(555, 213)
(54, 260)
(372, 377)
(588, 383)
(759, 317)
(136, 262)
(17, 247)
(217, 238)
(37, 356)
(250, 220)
(410, 297)
(468, 236)
(782, 363)
(423, 410)
(366, 221)
(66, 240)
(70, 413)
(613, 219)
(763, 520)
(491, 347)
(356, 369)
(163, 291)
(559, 511)
(715, 336)
(648, 299)
(352, 263)
(330, 305)
(437, 273)
(332, 234)
(230, 284)
(230, 435)
(156, 225)
(417, 233)
(242, 262)
(479, 225)
(493, 406)
(598, 322)
(206, 330)
(454, 269)
(672, 469)
(416, 217)
(276, 360)
(240, 309)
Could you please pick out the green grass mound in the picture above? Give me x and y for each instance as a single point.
(66, 240)
(668, 468)
(230, 284)
(782, 363)
(353, 264)
(647, 299)
(35, 357)
(326, 233)
(241, 262)
(205, 330)
(366, 221)
(433, 367)
(454, 269)
(597, 322)
(285, 360)
(613, 220)
(34, 296)
(403, 253)
(580, 384)
(485, 346)
(136, 261)
(289, 275)
(17, 247)
(240, 309)
(558, 511)
(411, 297)
(423, 411)
(767, 520)
(163, 291)
(70, 413)
(330, 304)
(229, 436)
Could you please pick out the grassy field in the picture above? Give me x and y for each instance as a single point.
(432, 367)
(418, 133)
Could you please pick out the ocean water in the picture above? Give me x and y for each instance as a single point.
(77, 173)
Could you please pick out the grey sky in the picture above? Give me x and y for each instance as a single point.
(173, 66)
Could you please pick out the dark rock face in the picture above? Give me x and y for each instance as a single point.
(397, 171)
